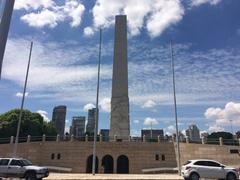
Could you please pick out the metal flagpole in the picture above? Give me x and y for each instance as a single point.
(4, 28)
(23, 98)
(175, 109)
(97, 110)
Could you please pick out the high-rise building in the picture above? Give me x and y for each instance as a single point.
(105, 134)
(58, 118)
(152, 133)
(77, 128)
(91, 121)
(119, 124)
(193, 133)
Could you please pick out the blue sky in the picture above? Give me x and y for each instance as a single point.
(206, 38)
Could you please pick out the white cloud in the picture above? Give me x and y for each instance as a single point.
(213, 113)
(150, 121)
(49, 14)
(200, 2)
(88, 106)
(165, 14)
(44, 115)
(223, 117)
(157, 14)
(88, 31)
(33, 4)
(215, 128)
(56, 72)
(170, 130)
(75, 10)
(19, 94)
(136, 121)
(43, 18)
(60, 72)
(105, 104)
(231, 112)
(149, 104)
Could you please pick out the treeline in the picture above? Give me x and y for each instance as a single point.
(32, 124)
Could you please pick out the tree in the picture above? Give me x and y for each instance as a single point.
(31, 124)
(217, 135)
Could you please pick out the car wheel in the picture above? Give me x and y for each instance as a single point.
(231, 176)
(194, 176)
(186, 178)
(30, 176)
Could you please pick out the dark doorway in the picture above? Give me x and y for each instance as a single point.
(122, 165)
(107, 164)
(89, 164)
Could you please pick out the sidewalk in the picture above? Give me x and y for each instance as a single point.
(60, 176)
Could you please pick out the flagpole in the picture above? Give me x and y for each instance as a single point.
(97, 110)
(4, 28)
(23, 98)
(175, 109)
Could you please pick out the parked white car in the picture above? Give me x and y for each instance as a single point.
(21, 168)
(204, 168)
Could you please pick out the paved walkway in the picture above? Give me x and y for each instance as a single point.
(60, 176)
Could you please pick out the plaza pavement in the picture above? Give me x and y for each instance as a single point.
(64, 176)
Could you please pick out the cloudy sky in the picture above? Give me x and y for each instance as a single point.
(206, 41)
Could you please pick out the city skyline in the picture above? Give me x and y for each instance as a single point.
(64, 63)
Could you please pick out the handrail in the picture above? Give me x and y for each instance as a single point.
(100, 138)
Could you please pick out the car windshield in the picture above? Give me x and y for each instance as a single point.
(26, 162)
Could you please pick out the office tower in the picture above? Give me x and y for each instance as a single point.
(152, 133)
(119, 123)
(105, 134)
(193, 133)
(77, 128)
(91, 121)
(58, 118)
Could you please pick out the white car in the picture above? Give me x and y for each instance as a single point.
(204, 168)
(21, 168)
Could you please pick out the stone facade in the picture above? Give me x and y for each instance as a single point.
(221, 153)
(141, 155)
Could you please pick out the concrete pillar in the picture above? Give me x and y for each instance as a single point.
(220, 141)
(159, 139)
(12, 140)
(43, 138)
(86, 138)
(144, 138)
(72, 138)
(203, 140)
(129, 138)
(28, 139)
(100, 138)
(58, 138)
(115, 137)
(187, 140)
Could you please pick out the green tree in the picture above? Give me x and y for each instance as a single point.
(217, 135)
(31, 124)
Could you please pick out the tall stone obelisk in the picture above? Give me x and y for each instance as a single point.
(119, 124)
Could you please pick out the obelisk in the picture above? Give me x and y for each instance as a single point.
(119, 123)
